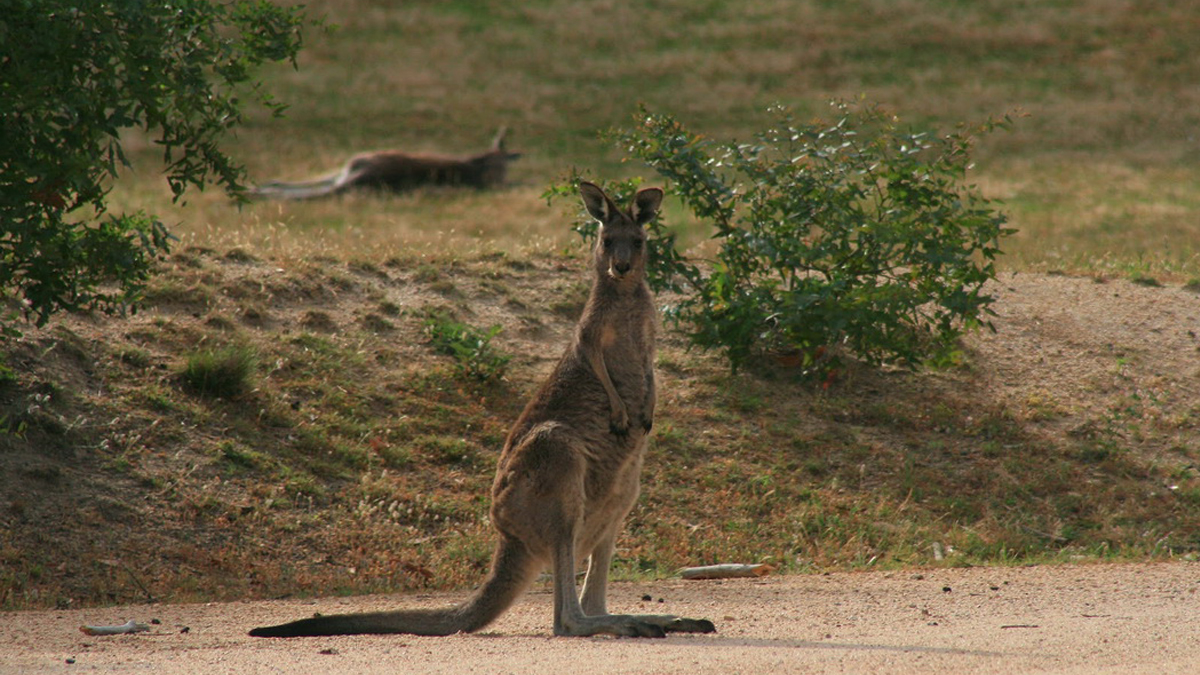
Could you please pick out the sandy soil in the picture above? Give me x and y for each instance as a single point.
(1062, 619)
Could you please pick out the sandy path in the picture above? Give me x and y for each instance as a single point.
(1067, 619)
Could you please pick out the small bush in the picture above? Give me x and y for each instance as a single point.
(852, 235)
(225, 372)
(471, 347)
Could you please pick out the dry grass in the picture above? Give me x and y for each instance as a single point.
(356, 457)
(1102, 219)
(1100, 176)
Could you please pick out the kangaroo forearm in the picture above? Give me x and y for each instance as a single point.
(596, 360)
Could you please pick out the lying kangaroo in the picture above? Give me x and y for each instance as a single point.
(569, 471)
(399, 171)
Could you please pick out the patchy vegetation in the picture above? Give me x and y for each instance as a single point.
(357, 458)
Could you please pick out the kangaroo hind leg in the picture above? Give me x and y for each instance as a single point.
(570, 618)
(595, 585)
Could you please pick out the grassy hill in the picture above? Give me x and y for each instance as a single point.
(333, 449)
(348, 455)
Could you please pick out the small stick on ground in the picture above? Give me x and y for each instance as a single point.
(726, 571)
(130, 626)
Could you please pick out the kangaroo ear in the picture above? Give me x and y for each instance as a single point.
(645, 205)
(598, 204)
(498, 141)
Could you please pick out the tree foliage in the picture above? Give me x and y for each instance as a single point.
(73, 75)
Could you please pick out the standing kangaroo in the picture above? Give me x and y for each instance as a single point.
(398, 171)
(569, 471)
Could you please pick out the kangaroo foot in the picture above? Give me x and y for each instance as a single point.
(633, 625)
(682, 625)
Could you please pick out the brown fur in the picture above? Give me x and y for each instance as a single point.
(569, 471)
(399, 171)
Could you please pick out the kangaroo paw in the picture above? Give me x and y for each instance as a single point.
(619, 424)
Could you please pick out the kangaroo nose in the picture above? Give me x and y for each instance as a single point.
(621, 267)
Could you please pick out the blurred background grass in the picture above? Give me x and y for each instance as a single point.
(1100, 176)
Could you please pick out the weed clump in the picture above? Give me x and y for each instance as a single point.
(471, 347)
(226, 372)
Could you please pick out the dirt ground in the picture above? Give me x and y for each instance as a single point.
(1049, 619)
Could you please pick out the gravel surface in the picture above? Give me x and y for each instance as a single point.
(1049, 619)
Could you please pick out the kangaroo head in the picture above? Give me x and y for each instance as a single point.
(621, 246)
(492, 166)
(499, 151)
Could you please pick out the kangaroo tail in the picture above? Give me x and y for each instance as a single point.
(513, 568)
(319, 187)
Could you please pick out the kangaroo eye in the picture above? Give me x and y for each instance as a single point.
(608, 242)
(637, 244)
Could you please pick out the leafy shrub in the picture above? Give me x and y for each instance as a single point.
(846, 235)
(225, 372)
(73, 76)
(471, 347)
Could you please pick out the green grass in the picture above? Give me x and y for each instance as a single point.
(1100, 174)
(471, 347)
